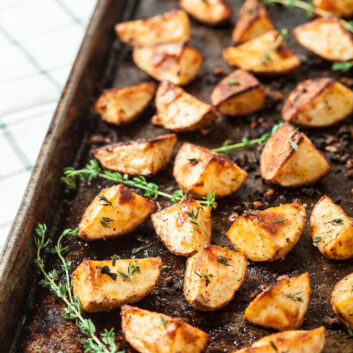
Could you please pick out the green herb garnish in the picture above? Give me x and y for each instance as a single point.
(281, 37)
(223, 260)
(279, 220)
(105, 220)
(163, 320)
(105, 201)
(233, 82)
(316, 240)
(294, 297)
(193, 216)
(205, 278)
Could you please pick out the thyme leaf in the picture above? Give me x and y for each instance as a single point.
(233, 82)
(279, 220)
(281, 37)
(342, 66)
(294, 297)
(223, 260)
(316, 240)
(205, 278)
(193, 216)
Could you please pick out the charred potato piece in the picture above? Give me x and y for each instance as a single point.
(102, 286)
(210, 12)
(212, 277)
(115, 211)
(281, 305)
(240, 93)
(121, 106)
(342, 300)
(342, 8)
(151, 332)
(253, 21)
(184, 227)
(199, 171)
(327, 38)
(169, 27)
(290, 159)
(297, 341)
(262, 56)
(332, 230)
(142, 157)
(268, 235)
(318, 103)
(178, 63)
(180, 111)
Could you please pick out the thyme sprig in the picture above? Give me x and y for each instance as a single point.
(283, 33)
(73, 309)
(93, 171)
(342, 66)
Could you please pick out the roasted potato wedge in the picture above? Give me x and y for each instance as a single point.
(169, 27)
(115, 211)
(282, 305)
(318, 103)
(240, 93)
(253, 21)
(176, 62)
(102, 286)
(297, 341)
(142, 157)
(332, 230)
(210, 12)
(290, 159)
(180, 111)
(212, 277)
(199, 171)
(121, 106)
(268, 235)
(342, 300)
(342, 8)
(150, 332)
(327, 38)
(184, 228)
(262, 56)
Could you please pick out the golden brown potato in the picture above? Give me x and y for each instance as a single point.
(184, 228)
(282, 305)
(141, 157)
(115, 211)
(169, 27)
(268, 235)
(297, 341)
(150, 332)
(342, 300)
(176, 62)
(212, 277)
(290, 159)
(210, 12)
(318, 103)
(199, 171)
(102, 286)
(240, 93)
(121, 106)
(253, 21)
(342, 8)
(260, 55)
(180, 111)
(327, 38)
(332, 230)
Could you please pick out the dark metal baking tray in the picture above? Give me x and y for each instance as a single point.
(30, 318)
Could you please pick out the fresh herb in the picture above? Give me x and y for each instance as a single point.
(342, 66)
(233, 82)
(294, 297)
(105, 201)
(163, 320)
(132, 269)
(114, 260)
(316, 240)
(193, 160)
(105, 220)
(350, 333)
(123, 275)
(105, 270)
(136, 250)
(336, 221)
(73, 309)
(165, 267)
(281, 37)
(279, 220)
(291, 141)
(93, 171)
(274, 346)
(223, 260)
(193, 216)
(205, 278)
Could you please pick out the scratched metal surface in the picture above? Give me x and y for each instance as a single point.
(44, 329)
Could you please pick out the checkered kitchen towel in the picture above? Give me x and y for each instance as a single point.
(39, 40)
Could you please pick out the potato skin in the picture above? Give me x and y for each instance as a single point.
(342, 8)
(212, 13)
(318, 103)
(342, 300)
(123, 105)
(178, 63)
(169, 27)
(268, 235)
(180, 111)
(141, 157)
(282, 305)
(209, 172)
(99, 292)
(127, 212)
(250, 55)
(334, 228)
(243, 98)
(253, 21)
(297, 341)
(151, 332)
(281, 164)
(327, 38)
(225, 279)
